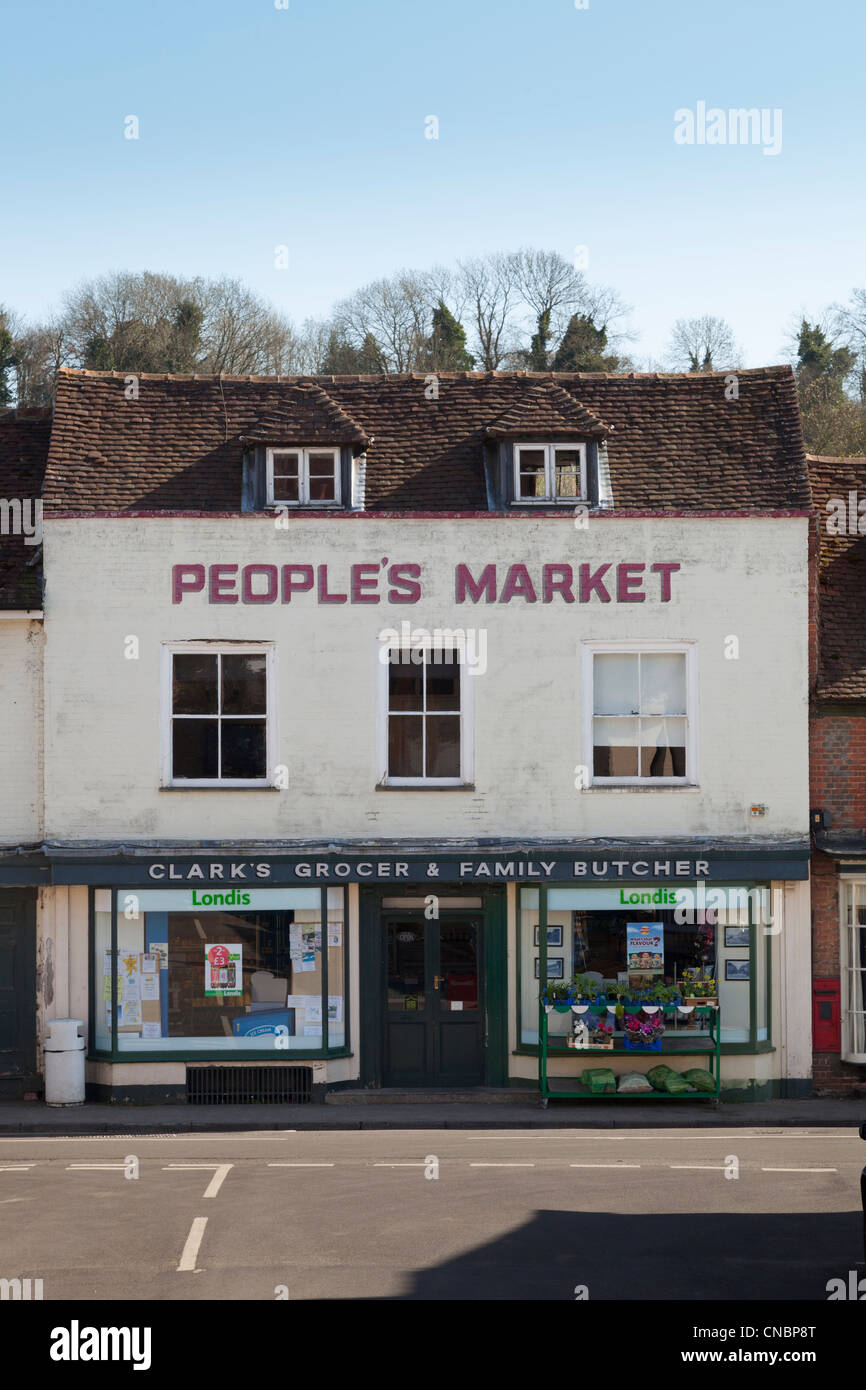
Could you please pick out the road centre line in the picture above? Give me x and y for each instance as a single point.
(94, 1167)
(193, 1241)
(216, 1182)
(604, 1165)
(311, 1165)
(799, 1170)
(17, 1167)
(693, 1167)
(502, 1165)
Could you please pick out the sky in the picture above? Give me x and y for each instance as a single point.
(305, 127)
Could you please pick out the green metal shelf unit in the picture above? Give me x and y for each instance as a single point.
(677, 1043)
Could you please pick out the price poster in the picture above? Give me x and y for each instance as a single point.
(645, 947)
(223, 972)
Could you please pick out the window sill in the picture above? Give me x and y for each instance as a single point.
(217, 787)
(642, 787)
(424, 787)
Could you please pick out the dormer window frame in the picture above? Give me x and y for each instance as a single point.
(550, 498)
(303, 451)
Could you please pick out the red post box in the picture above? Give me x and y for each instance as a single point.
(826, 1016)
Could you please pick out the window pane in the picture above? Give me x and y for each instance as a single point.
(615, 684)
(405, 965)
(405, 682)
(244, 685)
(286, 465)
(531, 473)
(404, 746)
(243, 747)
(443, 745)
(458, 962)
(663, 748)
(194, 687)
(567, 473)
(615, 747)
(286, 489)
(194, 748)
(443, 680)
(322, 478)
(663, 683)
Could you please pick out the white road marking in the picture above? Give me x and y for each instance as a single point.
(5, 1201)
(799, 1170)
(604, 1165)
(502, 1165)
(193, 1241)
(301, 1165)
(399, 1165)
(706, 1167)
(216, 1182)
(94, 1167)
(17, 1167)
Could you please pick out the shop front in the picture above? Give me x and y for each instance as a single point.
(434, 969)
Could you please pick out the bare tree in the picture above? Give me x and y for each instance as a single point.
(849, 323)
(394, 313)
(704, 344)
(40, 352)
(490, 287)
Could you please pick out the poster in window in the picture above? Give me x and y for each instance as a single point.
(645, 948)
(223, 973)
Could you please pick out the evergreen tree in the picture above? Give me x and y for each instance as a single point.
(447, 343)
(539, 347)
(582, 348)
(7, 361)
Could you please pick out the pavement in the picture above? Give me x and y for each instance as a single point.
(510, 1111)
(663, 1214)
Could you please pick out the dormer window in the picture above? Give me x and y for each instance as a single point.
(303, 477)
(550, 473)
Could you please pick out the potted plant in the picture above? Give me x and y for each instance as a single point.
(558, 994)
(701, 993)
(644, 1036)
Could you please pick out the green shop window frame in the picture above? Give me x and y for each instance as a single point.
(752, 1045)
(182, 1054)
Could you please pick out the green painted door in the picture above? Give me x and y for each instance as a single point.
(17, 991)
(433, 1000)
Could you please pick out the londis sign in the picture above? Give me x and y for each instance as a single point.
(381, 581)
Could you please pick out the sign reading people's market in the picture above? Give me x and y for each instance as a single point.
(381, 581)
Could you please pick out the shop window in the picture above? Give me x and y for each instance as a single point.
(549, 473)
(303, 477)
(221, 969)
(424, 717)
(853, 970)
(593, 941)
(218, 716)
(639, 714)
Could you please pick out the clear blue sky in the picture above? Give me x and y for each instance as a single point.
(305, 126)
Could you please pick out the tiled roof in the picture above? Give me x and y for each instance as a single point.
(545, 411)
(841, 577)
(23, 453)
(305, 414)
(674, 442)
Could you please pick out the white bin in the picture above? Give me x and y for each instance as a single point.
(64, 1061)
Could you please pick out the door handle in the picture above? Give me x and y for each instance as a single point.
(437, 980)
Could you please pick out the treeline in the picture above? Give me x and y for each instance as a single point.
(529, 309)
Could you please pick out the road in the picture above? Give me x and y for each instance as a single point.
(511, 1215)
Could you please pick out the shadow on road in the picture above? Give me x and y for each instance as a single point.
(696, 1256)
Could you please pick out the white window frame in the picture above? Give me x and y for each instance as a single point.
(304, 475)
(467, 756)
(847, 968)
(168, 652)
(589, 650)
(550, 498)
